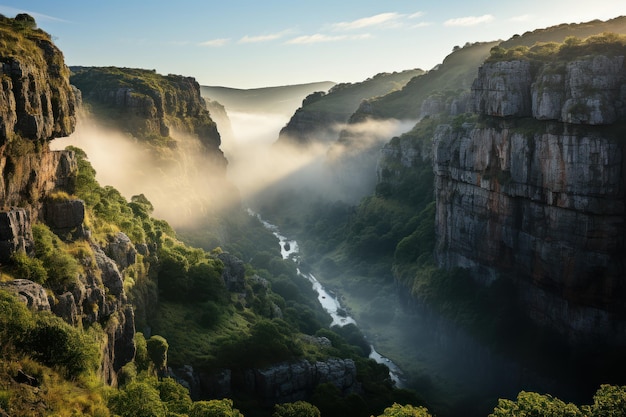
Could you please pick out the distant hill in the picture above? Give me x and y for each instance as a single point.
(283, 99)
(320, 113)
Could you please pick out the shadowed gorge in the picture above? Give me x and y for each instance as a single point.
(466, 222)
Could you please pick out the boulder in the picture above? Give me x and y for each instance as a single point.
(29, 292)
(65, 216)
(121, 250)
(233, 273)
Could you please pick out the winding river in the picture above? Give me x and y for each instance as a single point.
(330, 303)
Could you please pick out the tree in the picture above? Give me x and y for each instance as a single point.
(533, 404)
(397, 410)
(297, 409)
(175, 396)
(137, 399)
(214, 408)
(157, 351)
(609, 401)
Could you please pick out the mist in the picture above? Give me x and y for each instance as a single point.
(182, 181)
(186, 184)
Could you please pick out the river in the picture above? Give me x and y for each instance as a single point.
(330, 302)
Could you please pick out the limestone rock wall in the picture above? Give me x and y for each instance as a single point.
(36, 100)
(522, 196)
(584, 91)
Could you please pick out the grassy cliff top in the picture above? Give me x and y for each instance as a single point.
(607, 43)
(19, 36)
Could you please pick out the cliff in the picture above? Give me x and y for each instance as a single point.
(150, 106)
(534, 191)
(38, 104)
(160, 133)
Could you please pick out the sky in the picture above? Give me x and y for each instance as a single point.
(252, 43)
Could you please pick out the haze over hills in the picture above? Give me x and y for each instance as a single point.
(281, 99)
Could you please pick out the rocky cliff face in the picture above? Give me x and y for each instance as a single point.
(35, 95)
(150, 105)
(38, 104)
(587, 91)
(535, 193)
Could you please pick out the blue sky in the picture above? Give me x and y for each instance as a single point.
(246, 43)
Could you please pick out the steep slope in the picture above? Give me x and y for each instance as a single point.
(38, 105)
(538, 201)
(455, 74)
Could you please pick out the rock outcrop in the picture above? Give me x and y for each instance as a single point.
(29, 178)
(31, 293)
(279, 383)
(120, 248)
(36, 99)
(15, 233)
(289, 382)
(590, 90)
(233, 273)
(525, 197)
(65, 217)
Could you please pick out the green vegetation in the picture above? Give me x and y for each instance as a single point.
(19, 36)
(344, 98)
(610, 44)
(608, 400)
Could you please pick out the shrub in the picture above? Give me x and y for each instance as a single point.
(175, 396)
(157, 351)
(62, 269)
(296, 409)
(398, 410)
(142, 361)
(137, 399)
(56, 343)
(533, 404)
(214, 408)
(29, 268)
(16, 320)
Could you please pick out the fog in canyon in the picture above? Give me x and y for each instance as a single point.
(439, 360)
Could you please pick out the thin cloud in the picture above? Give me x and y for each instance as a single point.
(215, 42)
(7, 11)
(320, 38)
(263, 38)
(469, 20)
(382, 19)
(415, 15)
